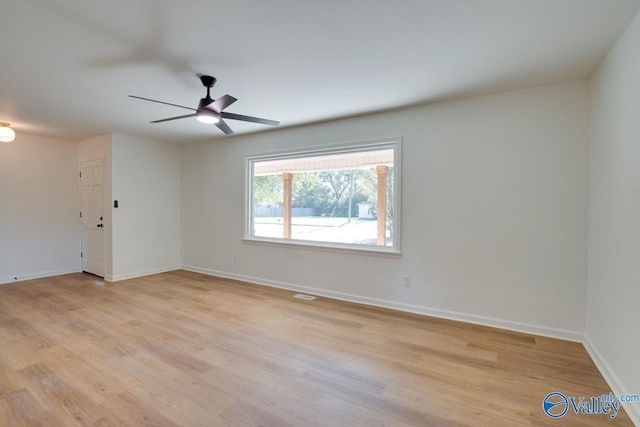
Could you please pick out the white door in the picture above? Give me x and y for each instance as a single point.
(92, 214)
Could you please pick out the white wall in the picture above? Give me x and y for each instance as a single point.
(494, 211)
(613, 311)
(39, 226)
(146, 225)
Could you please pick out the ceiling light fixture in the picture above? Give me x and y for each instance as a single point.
(206, 115)
(6, 133)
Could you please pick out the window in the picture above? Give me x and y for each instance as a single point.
(341, 197)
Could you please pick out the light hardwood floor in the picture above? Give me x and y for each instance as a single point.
(184, 349)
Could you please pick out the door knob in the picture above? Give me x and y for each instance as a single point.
(99, 225)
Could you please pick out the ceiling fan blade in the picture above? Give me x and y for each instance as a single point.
(161, 102)
(221, 103)
(234, 116)
(224, 127)
(173, 118)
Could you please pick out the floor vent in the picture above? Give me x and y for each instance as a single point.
(305, 297)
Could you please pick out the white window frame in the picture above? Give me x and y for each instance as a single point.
(395, 249)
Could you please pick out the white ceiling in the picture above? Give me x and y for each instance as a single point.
(67, 66)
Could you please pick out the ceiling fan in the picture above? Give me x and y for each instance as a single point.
(211, 110)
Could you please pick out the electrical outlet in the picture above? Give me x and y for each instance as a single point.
(406, 281)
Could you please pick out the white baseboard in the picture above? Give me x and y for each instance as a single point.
(428, 311)
(617, 387)
(38, 275)
(125, 276)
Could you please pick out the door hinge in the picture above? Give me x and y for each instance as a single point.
(80, 173)
(80, 214)
(80, 254)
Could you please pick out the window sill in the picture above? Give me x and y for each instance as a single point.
(326, 247)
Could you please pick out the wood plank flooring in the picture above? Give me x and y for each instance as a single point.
(184, 349)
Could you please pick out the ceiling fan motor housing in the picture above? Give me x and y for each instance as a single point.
(204, 102)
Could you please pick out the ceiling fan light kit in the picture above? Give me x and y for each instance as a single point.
(206, 115)
(6, 133)
(211, 110)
